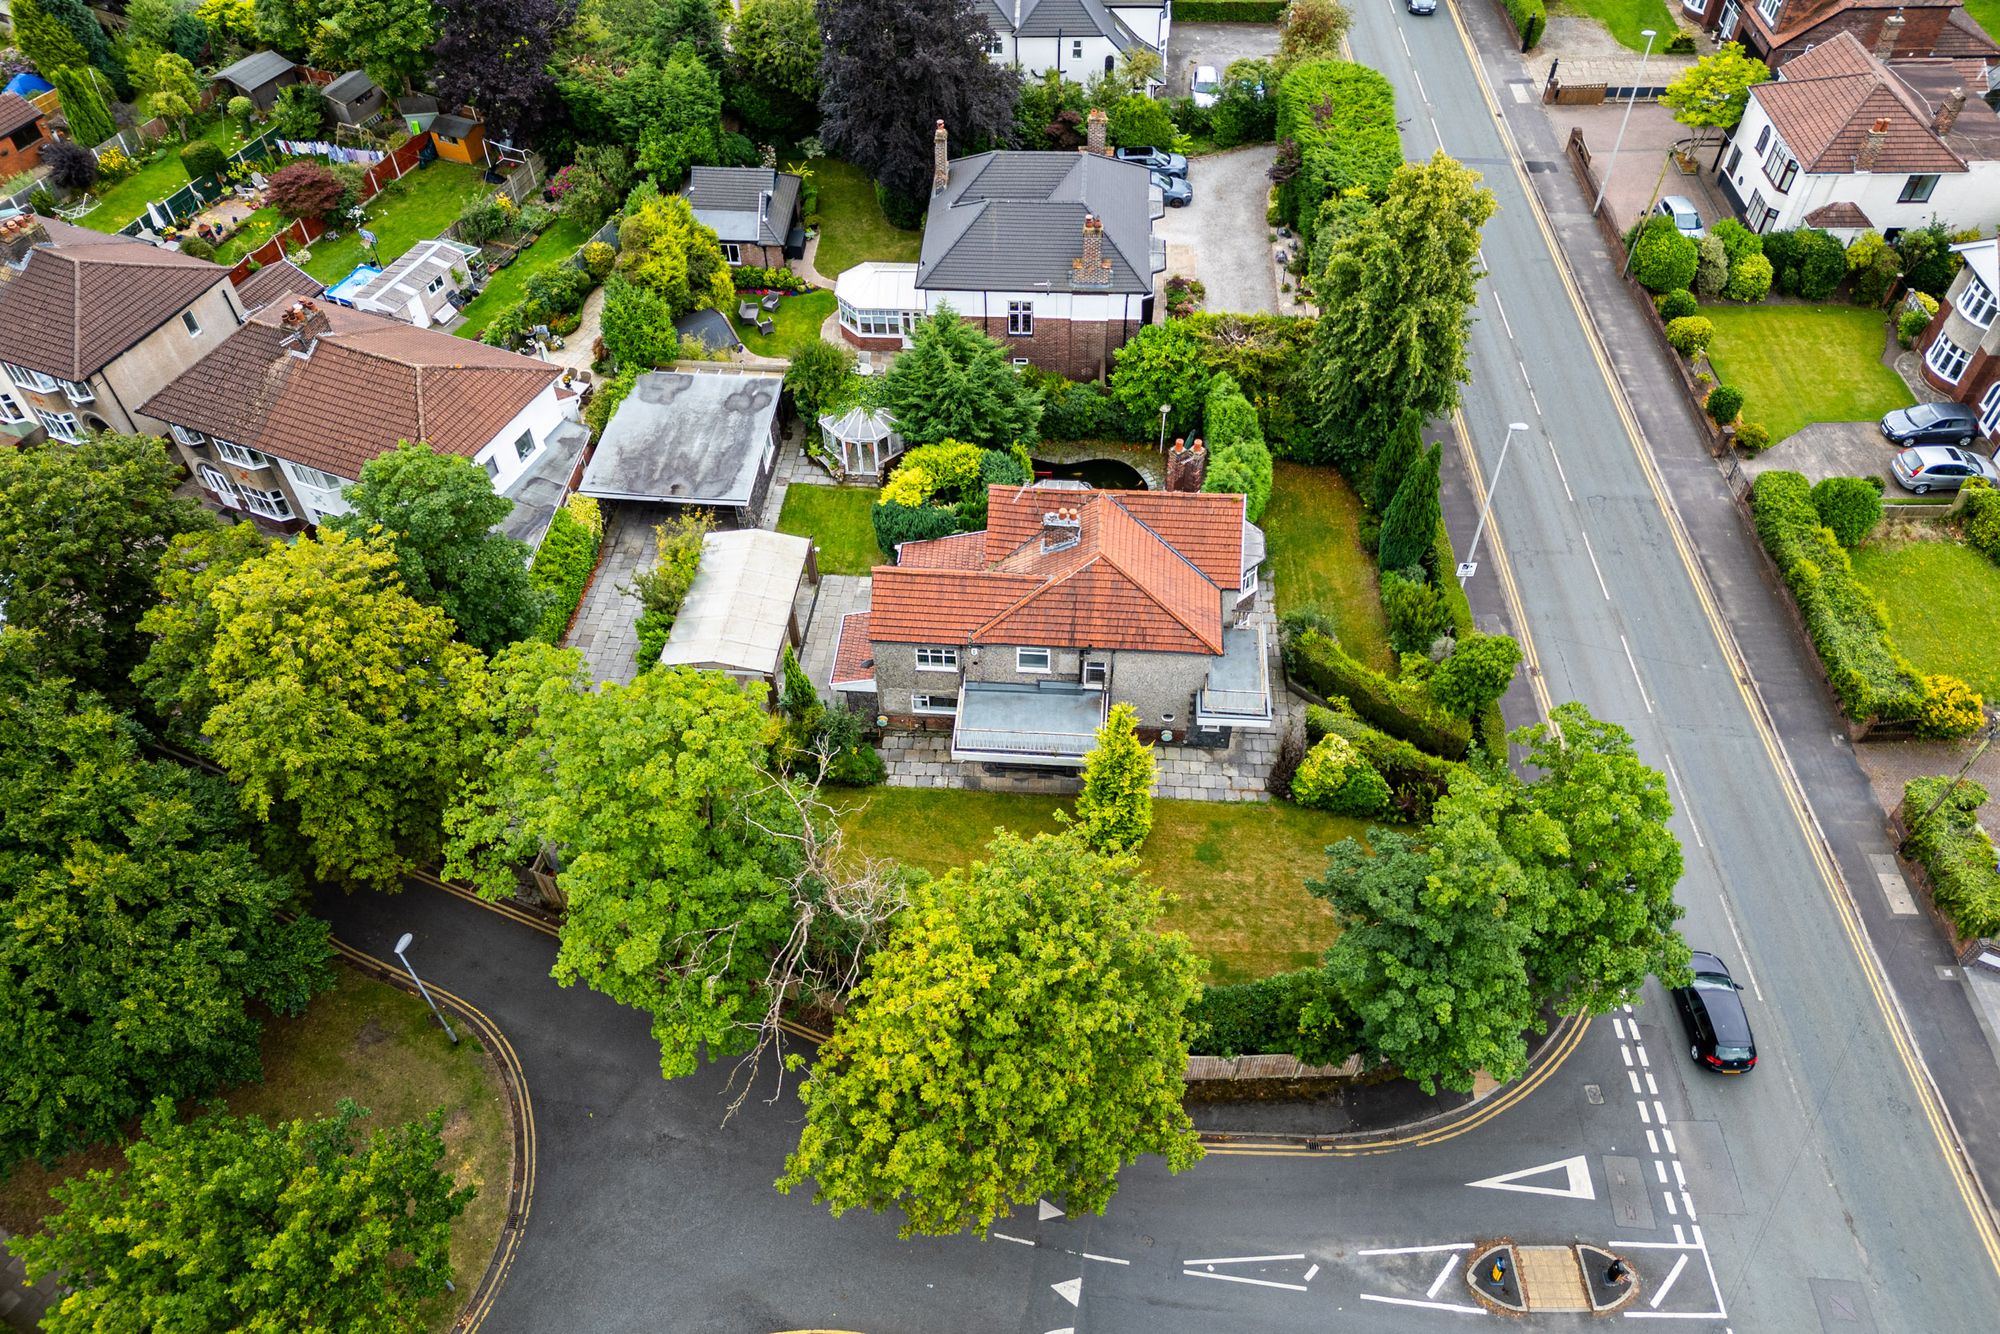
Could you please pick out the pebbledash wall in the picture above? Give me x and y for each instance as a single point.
(1160, 687)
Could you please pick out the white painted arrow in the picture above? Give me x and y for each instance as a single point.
(1044, 1211)
(1070, 1291)
(1577, 1186)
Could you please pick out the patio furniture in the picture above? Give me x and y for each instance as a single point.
(771, 300)
(747, 312)
(258, 183)
(766, 325)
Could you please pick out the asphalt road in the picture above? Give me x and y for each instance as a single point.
(1840, 1179)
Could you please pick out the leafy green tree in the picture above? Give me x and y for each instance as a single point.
(1139, 121)
(1163, 364)
(1310, 30)
(1021, 1035)
(83, 103)
(139, 938)
(1404, 450)
(1591, 837)
(955, 383)
(1395, 294)
(667, 250)
(1476, 674)
(1430, 959)
(677, 863)
(389, 39)
(597, 181)
(47, 42)
(1238, 459)
(820, 379)
(1715, 89)
(698, 23)
(438, 512)
(637, 326)
(776, 48)
(1114, 812)
(151, 20)
(1410, 527)
(181, 628)
(82, 531)
(176, 92)
(668, 108)
(288, 24)
(298, 112)
(75, 16)
(231, 1223)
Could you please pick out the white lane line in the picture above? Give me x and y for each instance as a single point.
(1643, 1062)
(1667, 1284)
(1550, 442)
(1435, 131)
(1633, 663)
(1687, 1202)
(1538, 406)
(1721, 1308)
(1443, 1274)
(1670, 1140)
(1673, 1315)
(1652, 1143)
(1742, 952)
(1244, 1259)
(1659, 1111)
(1680, 1237)
(1633, 1075)
(1428, 1306)
(1591, 552)
(1524, 372)
(1426, 97)
(1651, 1087)
(1645, 1117)
(1660, 1168)
(1686, 810)
(1002, 1236)
(1502, 308)
(1668, 1196)
(1413, 1250)
(1626, 1052)
(1102, 1259)
(1406, 44)
(1680, 1177)
(1310, 1272)
(1238, 1278)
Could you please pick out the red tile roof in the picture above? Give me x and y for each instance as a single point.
(960, 551)
(368, 383)
(1841, 214)
(940, 606)
(1207, 528)
(85, 298)
(854, 657)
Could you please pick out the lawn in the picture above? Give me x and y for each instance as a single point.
(851, 225)
(797, 320)
(1626, 19)
(159, 178)
(562, 239)
(256, 229)
(1986, 13)
(1316, 558)
(378, 1045)
(415, 208)
(1943, 600)
(837, 518)
(1234, 871)
(1797, 365)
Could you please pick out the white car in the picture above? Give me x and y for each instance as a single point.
(1686, 217)
(1205, 86)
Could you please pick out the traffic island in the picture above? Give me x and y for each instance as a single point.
(1495, 1279)
(1610, 1281)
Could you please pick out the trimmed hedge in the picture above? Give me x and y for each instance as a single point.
(1229, 11)
(1956, 855)
(1319, 664)
(1342, 117)
(1530, 17)
(563, 563)
(1415, 779)
(1489, 726)
(1300, 1014)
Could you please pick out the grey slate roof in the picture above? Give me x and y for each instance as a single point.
(686, 439)
(726, 198)
(452, 127)
(255, 70)
(1057, 18)
(349, 86)
(1013, 221)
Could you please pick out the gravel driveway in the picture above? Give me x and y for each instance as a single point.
(1221, 238)
(1192, 44)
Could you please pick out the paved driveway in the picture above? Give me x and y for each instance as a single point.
(1192, 44)
(1221, 237)
(1831, 449)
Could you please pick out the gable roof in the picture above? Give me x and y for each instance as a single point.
(17, 112)
(83, 298)
(255, 70)
(1825, 103)
(391, 291)
(1957, 35)
(1057, 18)
(368, 383)
(280, 280)
(1013, 221)
(1121, 584)
(730, 200)
(350, 86)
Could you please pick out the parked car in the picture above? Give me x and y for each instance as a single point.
(1175, 190)
(1712, 1011)
(1206, 85)
(1686, 217)
(1167, 164)
(1932, 424)
(1421, 6)
(1928, 468)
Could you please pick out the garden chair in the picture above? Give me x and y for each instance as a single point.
(766, 325)
(771, 300)
(258, 183)
(747, 312)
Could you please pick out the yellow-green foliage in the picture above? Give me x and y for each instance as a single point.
(948, 466)
(665, 250)
(1115, 809)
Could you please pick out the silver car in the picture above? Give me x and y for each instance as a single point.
(1928, 468)
(1686, 217)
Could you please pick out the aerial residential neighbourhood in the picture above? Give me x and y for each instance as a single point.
(1048, 666)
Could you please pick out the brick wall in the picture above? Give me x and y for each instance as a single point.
(1074, 349)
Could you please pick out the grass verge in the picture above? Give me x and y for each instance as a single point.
(1234, 872)
(1316, 558)
(1766, 351)
(1943, 600)
(796, 320)
(837, 518)
(417, 207)
(851, 225)
(562, 239)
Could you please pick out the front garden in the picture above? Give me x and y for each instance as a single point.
(1942, 599)
(1799, 364)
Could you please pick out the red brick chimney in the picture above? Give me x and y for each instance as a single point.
(1947, 112)
(1093, 269)
(1197, 465)
(1095, 124)
(940, 160)
(1885, 41)
(304, 323)
(1871, 145)
(1187, 466)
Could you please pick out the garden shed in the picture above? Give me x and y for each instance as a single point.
(743, 607)
(353, 98)
(259, 76)
(459, 139)
(861, 439)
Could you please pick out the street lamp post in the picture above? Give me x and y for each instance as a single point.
(1470, 565)
(402, 945)
(1625, 120)
(1165, 408)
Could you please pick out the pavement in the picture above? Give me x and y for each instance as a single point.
(1220, 237)
(1641, 170)
(606, 627)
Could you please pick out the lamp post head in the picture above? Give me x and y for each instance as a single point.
(1517, 426)
(404, 943)
(1165, 408)
(1647, 32)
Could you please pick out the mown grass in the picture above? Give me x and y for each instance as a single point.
(795, 322)
(1626, 20)
(852, 227)
(160, 177)
(1800, 364)
(416, 208)
(1316, 559)
(562, 239)
(1943, 601)
(837, 518)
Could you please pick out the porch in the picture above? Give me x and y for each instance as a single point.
(1238, 690)
(1052, 723)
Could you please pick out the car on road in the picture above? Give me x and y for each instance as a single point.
(1931, 424)
(1711, 1010)
(1928, 468)
(1205, 86)
(1167, 164)
(1685, 216)
(1421, 6)
(1175, 190)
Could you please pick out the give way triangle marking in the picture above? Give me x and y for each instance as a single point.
(1070, 1290)
(1576, 1186)
(1044, 1211)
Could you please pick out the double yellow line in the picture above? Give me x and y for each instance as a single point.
(1949, 1145)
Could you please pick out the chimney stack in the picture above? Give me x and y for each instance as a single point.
(304, 323)
(1095, 124)
(1947, 112)
(1061, 528)
(1197, 465)
(1871, 145)
(1885, 42)
(1187, 466)
(940, 161)
(20, 235)
(1093, 269)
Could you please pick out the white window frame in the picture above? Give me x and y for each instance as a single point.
(1768, 10)
(995, 47)
(1076, 48)
(11, 409)
(241, 455)
(38, 381)
(314, 478)
(937, 660)
(1023, 659)
(217, 481)
(434, 285)
(1096, 674)
(77, 391)
(1020, 319)
(934, 706)
(1976, 304)
(1947, 359)
(878, 323)
(1780, 167)
(188, 436)
(1989, 410)
(525, 446)
(61, 425)
(270, 504)
(191, 324)
(732, 252)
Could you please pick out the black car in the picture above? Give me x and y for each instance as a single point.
(1155, 159)
(1932, 424)
(1712, 1010)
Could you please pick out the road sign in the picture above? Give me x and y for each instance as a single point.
(1467, 568)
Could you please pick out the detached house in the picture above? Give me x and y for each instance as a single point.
(1053, 254)
(1842, 140)
(1961, 348)
(92, 326)
(1020, 638)
(754, 212)
(284, 414)
(1075, 38)
(1774, 31)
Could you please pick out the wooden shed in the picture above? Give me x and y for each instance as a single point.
(259, 76)
(459, 139)
(353, 98)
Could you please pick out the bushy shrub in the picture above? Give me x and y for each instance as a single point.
(305, 189)
(1909, 325)
(196, 248)
(1753, 437)
(662, 587)
(1237, 458)
(1711, 268)
(1416, 780)
(1929, 264)
(1949, 708)
(1530, 17)
(1415, 610)
(71, 165)
(1749, 279)
(1334, 778)
(1871, 281)
(202, 159)
(1402, 709)
(1738, 241)
(1477, 673)
(1340, 119)
(559, 289)
(1246, 110)
(1822, 263)
(1138, 121)
(1690, 334)
(896, 524)
(1955, 854)
(1850, 506)
(1298, 1014)
(598, 259)
(240, 109)
(755, 278)
(1982, 518)
(481, 219)
(1662, 259)
(1784, 250)
(1676, 305)
(1073, 410)
(1724, 403)
(563, 563)
(1266, 356)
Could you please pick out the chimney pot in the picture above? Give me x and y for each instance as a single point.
(1092, 269)
(940, 160)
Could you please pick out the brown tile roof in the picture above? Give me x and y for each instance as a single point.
(1843, 215)
(854, 656)
(280, 280)
(17, 111)
(369, 383)
(1962, 36)
(960, 551)
(1827, 100)
(84, 298)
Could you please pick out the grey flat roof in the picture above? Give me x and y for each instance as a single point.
(711, 327)
(1050, 723)
(738, 613)
(256, 69)
(537, 492)
(686, 440)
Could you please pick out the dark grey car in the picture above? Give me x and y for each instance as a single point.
(1932, 424)
(1177, 192)
(1155, 159)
